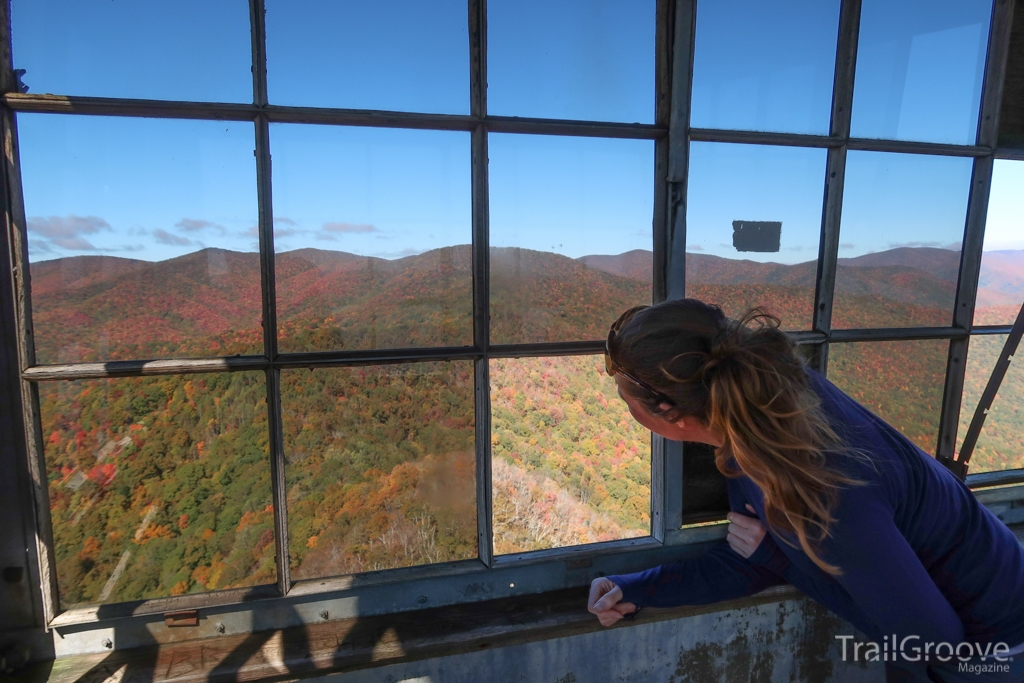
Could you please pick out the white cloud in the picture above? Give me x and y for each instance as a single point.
(349, 227)
(66, 231)
(164, 237)
(198, 225)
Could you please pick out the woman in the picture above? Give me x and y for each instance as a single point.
(838, 503)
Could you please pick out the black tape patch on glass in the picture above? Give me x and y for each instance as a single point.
(756, 235)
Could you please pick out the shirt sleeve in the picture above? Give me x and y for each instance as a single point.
(719, 574)
(883, 575)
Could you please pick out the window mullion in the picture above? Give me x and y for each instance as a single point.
(974, 228)
(264, 198)
(835, 175)
(481, 277)
(16, 326)
(672, 164)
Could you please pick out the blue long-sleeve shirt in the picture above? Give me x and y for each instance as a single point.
(919, 554)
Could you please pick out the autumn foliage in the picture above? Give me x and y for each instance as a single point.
(161, 485)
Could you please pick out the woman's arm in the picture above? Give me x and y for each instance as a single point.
(719, 574)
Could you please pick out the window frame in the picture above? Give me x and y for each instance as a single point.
(290, 602)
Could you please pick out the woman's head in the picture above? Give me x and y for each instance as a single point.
(742, 382)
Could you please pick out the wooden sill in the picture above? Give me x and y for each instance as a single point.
(358, 643)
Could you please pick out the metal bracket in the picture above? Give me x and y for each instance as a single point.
(988, 396)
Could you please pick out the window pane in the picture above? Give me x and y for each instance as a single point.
(899, 381)
(764, 66)
(920, 65)
(732, 186)
(570, 235)
(1001, 441)
(158, 485)
(1001, 285)
(569, 463)
(571, 59)
(400, 55)
(141, 237)
(372, 232)
(187, 50)
(381, 467)
(899, 247)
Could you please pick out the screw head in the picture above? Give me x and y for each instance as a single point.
(323, 614)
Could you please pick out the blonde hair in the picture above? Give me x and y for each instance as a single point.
(744, 380)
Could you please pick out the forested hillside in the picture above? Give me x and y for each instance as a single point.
(161, 485)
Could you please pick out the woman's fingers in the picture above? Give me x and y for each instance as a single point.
(749, 529)
(600, 587)
(605, 601)
(624, 608)
(740, 546)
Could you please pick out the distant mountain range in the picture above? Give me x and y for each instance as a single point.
(209, 303)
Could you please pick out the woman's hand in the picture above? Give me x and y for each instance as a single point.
(606, 601)
(745, 534)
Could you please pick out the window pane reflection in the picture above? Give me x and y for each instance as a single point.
(899, 381)
(372, 233)
(570, 465)
(899, 246)
(380, 467)
(1001, 441)
(186, 50)
(920, 65)
(141, 237)
(765, 66)
(1001, 284)
(400, 55)
(571, 59)
(158, 486)
(570, 235)
(725, 263)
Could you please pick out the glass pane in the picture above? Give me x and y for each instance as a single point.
(765, 66)
(899, 381)
(372, 234)
(571, 59)
(158, 485)
(570, 235)
(187, 50)
(569, 463)
(381, 467)
(1001, 441)
(733, 261)
(141, 237)
(920, 65)
(899, 246)
(1001, 285)
(400, 55)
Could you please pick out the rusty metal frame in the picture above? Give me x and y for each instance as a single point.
(397, 589)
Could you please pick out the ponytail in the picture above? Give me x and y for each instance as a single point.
(744, 380)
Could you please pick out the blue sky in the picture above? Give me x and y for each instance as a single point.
(155, 189)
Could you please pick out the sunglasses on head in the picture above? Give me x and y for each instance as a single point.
(613, 368)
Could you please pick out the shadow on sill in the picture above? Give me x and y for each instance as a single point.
(358, 643)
